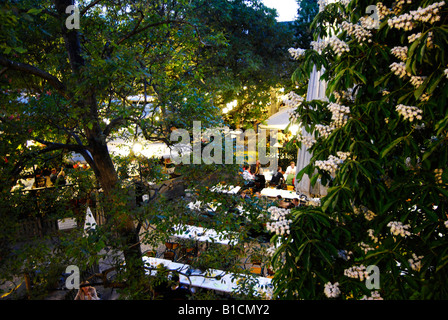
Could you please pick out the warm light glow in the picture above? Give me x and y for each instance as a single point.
(137, 148)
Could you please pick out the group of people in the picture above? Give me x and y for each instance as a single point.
(278, 178)
(46, 178)
(254, 172)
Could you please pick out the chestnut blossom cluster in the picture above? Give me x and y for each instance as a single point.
(368, 214)
(383, 11)
(415, 262)
(332, 290)
(372, 235)
(414, 37)
(324, 131)
(339, 114)
(368, 23)
(293, 99)
(296, 53)
(280, 223)
(347, 95)
(429, 14)
(400, 52)
(338, 46)
(409, 112)
(375, 295)
(343, 155)
(357, 272)
(417, 81)
(308, 141)
(330, 165)
(438, 175)
(319, 45)
(446, 72)
(365, 247)
(398, 228)
(425, 97)
(407, 21)
(357, 31)
(399, 69)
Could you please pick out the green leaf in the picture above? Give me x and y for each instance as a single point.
(34, 11)
(391, 146)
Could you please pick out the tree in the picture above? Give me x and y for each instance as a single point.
(67, 90)
(75, 84)
(306, 12)
(253, 61)
(381, 148)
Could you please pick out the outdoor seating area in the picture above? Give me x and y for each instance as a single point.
(223, 150)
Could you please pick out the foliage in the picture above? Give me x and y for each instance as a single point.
(381, 145)
(67, 90)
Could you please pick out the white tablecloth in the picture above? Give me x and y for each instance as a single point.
(273, 193)
(228, 282)
(206, 235)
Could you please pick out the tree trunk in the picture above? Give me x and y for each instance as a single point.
(100, 159)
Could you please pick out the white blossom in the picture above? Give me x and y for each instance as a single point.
(368, 214)
(357, 272)
(407, 21)
(324, 131)
(296, 53)
(361, 34)
(365, 247)
(399, 69)
(332, 290)
(280, 223)
(414, 37)
(415, 262)
(383, 11)
(330, 165)
(293, 99)
(308, 141)
(375, 295)
(339, 114)
(372, 236)
(417, 81)
(400, 52)
(438, 175)
(338, 46)
(397, 228)
(446, 72)
(409, 112)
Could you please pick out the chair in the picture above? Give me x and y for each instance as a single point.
(170, 251)
(256, 269)
(169, 255)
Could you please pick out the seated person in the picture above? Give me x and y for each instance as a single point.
(290, 179)
(247, 175)
(277, 177)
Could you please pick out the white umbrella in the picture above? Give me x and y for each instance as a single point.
(90, 223)
(316, 91)
(279, 120)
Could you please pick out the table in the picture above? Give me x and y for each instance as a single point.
(188, 232)
(273, 193)
(228, 282)
(226, 189)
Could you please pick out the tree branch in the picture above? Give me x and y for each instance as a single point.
(29, 69)
(94, 3)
